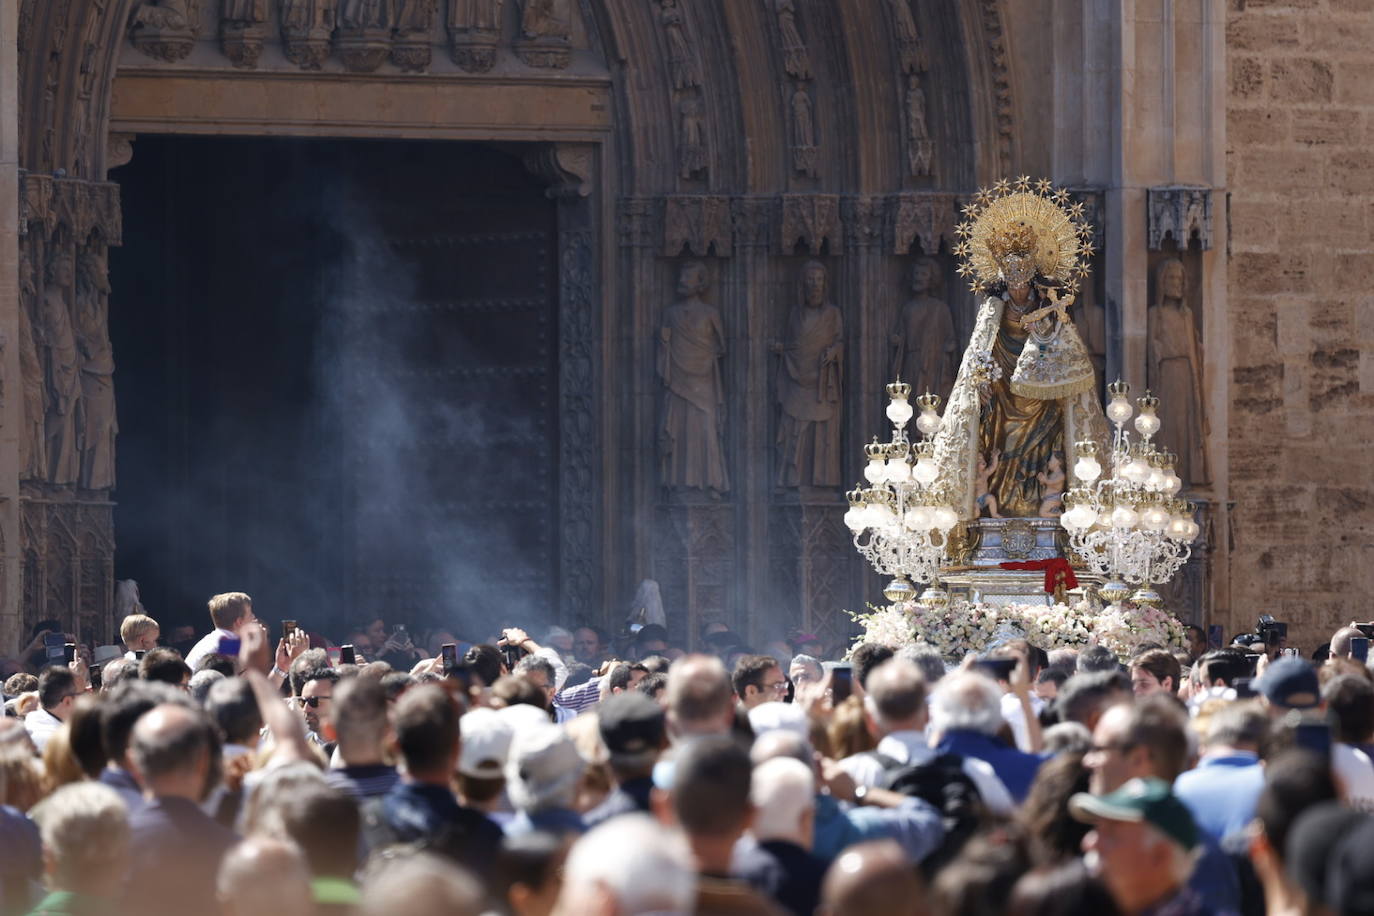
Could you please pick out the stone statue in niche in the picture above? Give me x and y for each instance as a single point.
(803, 132)
(363, 41)
(411, 21)
(33, 452)
(165, 29)
(908, 38)
(546, 28)
(682, 63)
(691, 346)
(795, 58)
(926, 347)
(810, 383)
(306, 27)
(920, 150)
(474, 31)
(242, 28)
(62, 368)
(1092, 323)
(96, 426)
(691, 136)
(1174, 373)
(362, 14)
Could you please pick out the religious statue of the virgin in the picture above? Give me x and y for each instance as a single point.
(1024, 394)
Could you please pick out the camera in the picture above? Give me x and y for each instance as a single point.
(1270, 631)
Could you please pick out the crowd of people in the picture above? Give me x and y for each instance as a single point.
(574, 774)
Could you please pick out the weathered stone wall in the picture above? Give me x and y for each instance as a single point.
(1300, 120)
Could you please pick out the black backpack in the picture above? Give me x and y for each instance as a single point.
(942, 783)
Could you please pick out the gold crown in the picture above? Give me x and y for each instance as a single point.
(855, 496)
(875, 450)
(928, 401)
(1148, 402)
(1018, 238)
(1086, 448)
(899, 390)
(1118, 389)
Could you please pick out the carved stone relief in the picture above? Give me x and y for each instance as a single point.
(698, 224)
(796, 60)
(242, 31)
(910, 48)
(363, 39)
(811, 220)
(306, 28)
(1183, 213)
(545, 30)
(60, 361)
(995, 36)
(691, 346)
(924, 218)
(810, 385)
(804, 152)
(920, 148)
(925, 349)
(411, 23)
(1174, 372)
(96, 425)
(474, 29)
(165, 30)
(691, 144)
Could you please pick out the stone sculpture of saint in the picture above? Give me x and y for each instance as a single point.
(33, 451)
(923, 339)
(546, 19)
(809, 386)
(62, 369)
(691, 346)
(1174, 373)
(682, 63)
(796, 59)
(362, 14)
(246, 12)
(96, 412)
(478, 15)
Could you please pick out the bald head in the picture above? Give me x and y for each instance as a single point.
(872, 879)
(783, 793)
(897, 696)
(263, 875)
(172, 749)
(700, 697)
(1340, 641)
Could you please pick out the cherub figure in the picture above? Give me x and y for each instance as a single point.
(1052, 481)
(987, 500)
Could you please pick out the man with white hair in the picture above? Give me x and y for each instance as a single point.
(262, 875)
(701, 699)
(897, 715)
(1143, 840)
(630, 864)
(85, 829)
(966, 715)
(783, 794)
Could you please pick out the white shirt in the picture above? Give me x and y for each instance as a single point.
(208, 645)
(1354, 772)
(910, 747)
(1016, 719)
(40, 725)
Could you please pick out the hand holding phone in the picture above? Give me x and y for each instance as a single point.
(449, 653)
(347, 656)
(1359, 649)
(841, 682)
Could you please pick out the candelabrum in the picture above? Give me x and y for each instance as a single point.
(1128, 526)
(902, 520)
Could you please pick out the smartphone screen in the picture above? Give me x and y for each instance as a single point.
(347, 656)
(230, 645)
(54, 644)
(1366, 628)
(449, 653)
(841, 682)
(999, 669)
(96, 679)
(139, 653)
(1359, 649)
(287, 628)
(69, 652)
(1244, 688)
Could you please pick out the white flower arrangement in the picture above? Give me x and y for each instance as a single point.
(963, 626)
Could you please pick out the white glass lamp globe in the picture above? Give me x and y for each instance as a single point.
(926, 471)
(919, 518)
(945, 518)
(1074, 519)
(1119, 410)
(1178, 527)
(1136, 470)
(1087, 469)
(1147, 424)
(854, 518)
(1155, 480)
(1193, 531)
(1154, 518)
(1172, 483)
(928, 422)
(1124, 516)
(875, 471)
(899, 411)
(898, 471)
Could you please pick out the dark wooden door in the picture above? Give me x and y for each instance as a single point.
(337, 380)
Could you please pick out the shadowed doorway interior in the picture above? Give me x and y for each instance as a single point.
(336, 381)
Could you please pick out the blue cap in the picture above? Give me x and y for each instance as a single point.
(1291, 683)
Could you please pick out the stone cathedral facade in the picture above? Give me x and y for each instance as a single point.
(741, 205)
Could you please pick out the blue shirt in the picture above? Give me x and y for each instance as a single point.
(1222, 792)
(1015, 768)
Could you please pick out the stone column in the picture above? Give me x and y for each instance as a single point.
(11, 403)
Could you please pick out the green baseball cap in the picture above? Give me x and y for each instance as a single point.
(1140, 801)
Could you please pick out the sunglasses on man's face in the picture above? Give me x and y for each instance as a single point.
(312, 702)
